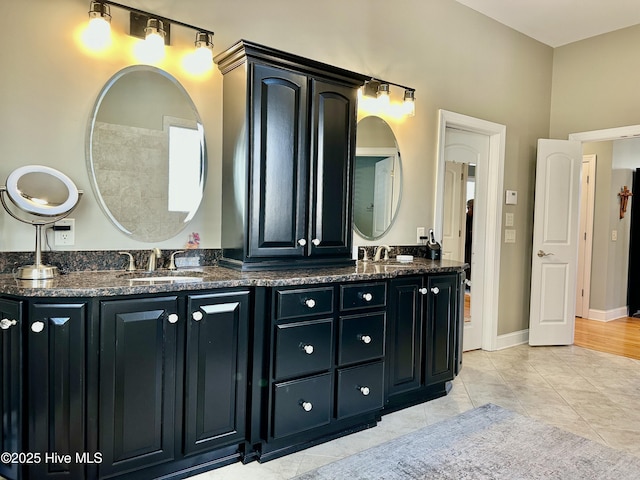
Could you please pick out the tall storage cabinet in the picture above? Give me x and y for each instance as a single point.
(288, 145)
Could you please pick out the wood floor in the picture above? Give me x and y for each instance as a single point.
(620, 337)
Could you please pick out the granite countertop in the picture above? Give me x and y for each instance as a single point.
(119, 282)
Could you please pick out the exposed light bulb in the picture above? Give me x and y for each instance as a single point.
(409, 105)
(154, 40)
(97, 35)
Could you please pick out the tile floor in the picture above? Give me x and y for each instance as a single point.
(593, 394)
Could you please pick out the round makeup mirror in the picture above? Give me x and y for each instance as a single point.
(146, 153)
(377, 178)
(43, 195)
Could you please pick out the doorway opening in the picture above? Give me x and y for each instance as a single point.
(487, 216)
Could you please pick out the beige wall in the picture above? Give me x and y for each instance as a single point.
(455, 58)
(595, 83)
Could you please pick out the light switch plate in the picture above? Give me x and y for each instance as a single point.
(508, 219)
(509, 236)
(511, 197)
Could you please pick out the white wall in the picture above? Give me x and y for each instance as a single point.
(454, 57)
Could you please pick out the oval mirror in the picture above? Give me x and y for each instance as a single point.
(146, 153)
(377, 178)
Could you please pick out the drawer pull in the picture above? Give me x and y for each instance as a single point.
(308, 349)
(302, 242)
(365, 338)
(310, 302)
(367, 297)
(37, 327)
(197, 315)
(6, 324)
(423, 291)
(173, 317)
(364, 390)
(306, 406)
(435, 290)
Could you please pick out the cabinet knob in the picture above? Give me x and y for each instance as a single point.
(365, 339)
(6, 324)
(367, 297)
(37, 327)
(306, 406)
(364, 390)
(310, 302)
(423, 291)
(308, 349)
(316, 241)
(302, 242)
(197, 315)
(435, 290)
(173, 317)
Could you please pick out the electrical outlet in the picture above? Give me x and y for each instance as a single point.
(419, 233)
(64, 232)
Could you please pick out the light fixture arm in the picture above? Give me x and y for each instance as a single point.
(158, 17)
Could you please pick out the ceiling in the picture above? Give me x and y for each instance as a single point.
(558, 22)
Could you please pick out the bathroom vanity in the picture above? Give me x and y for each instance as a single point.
(136, 377)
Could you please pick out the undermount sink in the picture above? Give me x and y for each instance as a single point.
(166, 278)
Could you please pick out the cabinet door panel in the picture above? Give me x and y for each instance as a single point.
(137, 383)
(440, 314)
(56, 372)
(280, 166)
(404, 335)
(11, 383)
(333, 142)
(216, 370)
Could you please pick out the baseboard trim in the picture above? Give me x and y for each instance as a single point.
(608, 315)
(512, 339)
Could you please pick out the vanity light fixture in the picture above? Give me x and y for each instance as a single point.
(154, 29)
(98, 32)
(204, 47)
(375, 97)
(384, 95)
(154, 35)
(409, 104)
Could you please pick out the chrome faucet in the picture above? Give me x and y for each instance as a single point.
(153, 257)
(379, 248)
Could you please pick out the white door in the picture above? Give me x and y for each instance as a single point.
(585, 235)
(555, 245)
(454, 210)
(471, 148)
(382, 196)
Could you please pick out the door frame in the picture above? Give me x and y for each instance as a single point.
(607, 134)
(491, 244)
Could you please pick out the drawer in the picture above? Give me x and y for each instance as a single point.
(360, 389)
(363, 295)
(361, 337)
(303, 347)
(301, 405)
(304, 302)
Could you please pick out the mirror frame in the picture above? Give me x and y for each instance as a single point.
(376, 152)
(89, 146)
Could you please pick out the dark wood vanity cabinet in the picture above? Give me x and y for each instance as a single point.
(423, 337)
(11, 382)
(326, 364)
(128, 388)
(289, 132)
(173, 382)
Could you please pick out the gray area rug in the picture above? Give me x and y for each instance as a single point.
(488, 442)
